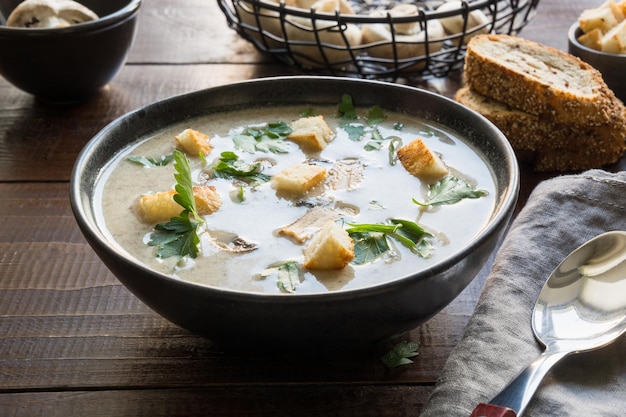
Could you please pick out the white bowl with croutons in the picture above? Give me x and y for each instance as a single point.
(599, 38)
(321, 222)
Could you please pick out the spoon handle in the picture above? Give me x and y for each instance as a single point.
(492, 410)
(513, 399)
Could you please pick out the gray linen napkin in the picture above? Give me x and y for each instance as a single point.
(561, 214)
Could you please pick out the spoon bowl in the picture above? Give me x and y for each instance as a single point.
(583, 304)
(581, 307)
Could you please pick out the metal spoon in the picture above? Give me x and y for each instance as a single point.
(581, 307)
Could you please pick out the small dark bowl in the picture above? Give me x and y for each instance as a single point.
(71, 63)
(612, 66)
(320, 322)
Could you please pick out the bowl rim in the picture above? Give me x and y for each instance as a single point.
(572, 36)
(131, 8)
(501, 212)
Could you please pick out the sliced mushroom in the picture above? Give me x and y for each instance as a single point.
(346, 174)
(267, 22)
(409, 38)
(229, 242)
(307, 37)
(306, 226)
(477, 22)
(49, 14)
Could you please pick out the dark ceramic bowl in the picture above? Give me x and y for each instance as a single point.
(612, 66)
(321, 322)
(71, 63)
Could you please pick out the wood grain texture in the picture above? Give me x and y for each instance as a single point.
(67, 323)
(75, 342)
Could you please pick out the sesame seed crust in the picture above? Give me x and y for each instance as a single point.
(548, 145)
(539, 80)
(555, 109)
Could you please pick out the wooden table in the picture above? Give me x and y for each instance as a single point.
(74, 341)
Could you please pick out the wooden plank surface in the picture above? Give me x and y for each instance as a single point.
(74, 341)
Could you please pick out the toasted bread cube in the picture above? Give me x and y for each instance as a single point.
(194, 142)
(591, 39)
(331, 248)
(311, 133)
(601, 18)
(421, 162)
(158, 207)
(299, 178)
(618, 9)
(614, 41)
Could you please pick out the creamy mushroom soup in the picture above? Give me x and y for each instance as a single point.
(255, 213)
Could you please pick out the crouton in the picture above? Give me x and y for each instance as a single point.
(614, 41)
(601, 18)
(158, 207)
(299, 178)
(591, 39)
(330, 248)
(194, 142)
(311, 133)
(421, 162)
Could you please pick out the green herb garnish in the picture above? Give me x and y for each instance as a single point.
(375, 116)
(373, 146)
(355, 131)
(395, 143)
(346, 107)
(400, 354)
(287, 275)
(151, 162)
(184, 184)
(370, 239)
(230, 166)
(178, 236)
(268, 138)
(450, 190)
(308, 112)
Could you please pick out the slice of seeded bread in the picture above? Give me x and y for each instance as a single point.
(539, 80)
(547, 145)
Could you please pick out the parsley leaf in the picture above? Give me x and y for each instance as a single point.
(375, 116)
(395, 143)
(346, 107)
(151, 162)
(450, 190)
(287, 275)
(230, 166)
(184, 184)
(266, 138)
(413, 236)
(400, 354)
(370, 240)
(368, 246)
(177, 237)
(355, 131)
(308, 112)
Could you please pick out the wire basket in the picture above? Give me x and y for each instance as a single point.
(376, 39)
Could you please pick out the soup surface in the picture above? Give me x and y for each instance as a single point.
(255, 212)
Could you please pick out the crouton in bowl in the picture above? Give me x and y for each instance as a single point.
(599, 38)
(279, 244)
